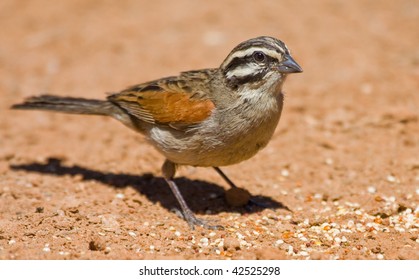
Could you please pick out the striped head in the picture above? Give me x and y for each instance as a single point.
(258, 61)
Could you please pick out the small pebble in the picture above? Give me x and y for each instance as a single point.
(329, 161)
(318, 196)
(46, 248)
(120, 195)
(237, 197)
(204, 240)
(391, 179)
(96, 244)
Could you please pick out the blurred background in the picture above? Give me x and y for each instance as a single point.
(350, 125)
(90, 47)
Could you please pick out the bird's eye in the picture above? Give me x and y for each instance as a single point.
(259, 56)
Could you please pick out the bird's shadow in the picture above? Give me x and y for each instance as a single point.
(200, 196)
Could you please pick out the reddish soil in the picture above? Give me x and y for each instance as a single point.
(341, 172)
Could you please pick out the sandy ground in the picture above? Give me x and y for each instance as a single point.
(341, 172)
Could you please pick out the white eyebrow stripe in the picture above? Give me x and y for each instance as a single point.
(242, 71)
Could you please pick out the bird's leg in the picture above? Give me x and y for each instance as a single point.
(229, 182)
(169, 170)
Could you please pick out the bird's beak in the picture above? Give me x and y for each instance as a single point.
(288, 65)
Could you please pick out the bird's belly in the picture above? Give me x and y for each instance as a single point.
(213, 147)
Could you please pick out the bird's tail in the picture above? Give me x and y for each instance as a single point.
(69, 105)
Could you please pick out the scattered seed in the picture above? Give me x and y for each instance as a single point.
(290, 250)
(279, 242)
(204, 240)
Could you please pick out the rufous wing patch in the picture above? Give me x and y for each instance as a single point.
(165, 107)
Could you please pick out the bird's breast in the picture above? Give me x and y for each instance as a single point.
(227, 137)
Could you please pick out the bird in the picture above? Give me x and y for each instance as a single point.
(210, 117)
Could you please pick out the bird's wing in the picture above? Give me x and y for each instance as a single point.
(179, 102)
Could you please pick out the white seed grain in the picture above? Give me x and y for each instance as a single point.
(303, 253)
(290, 250)
(279, 242)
